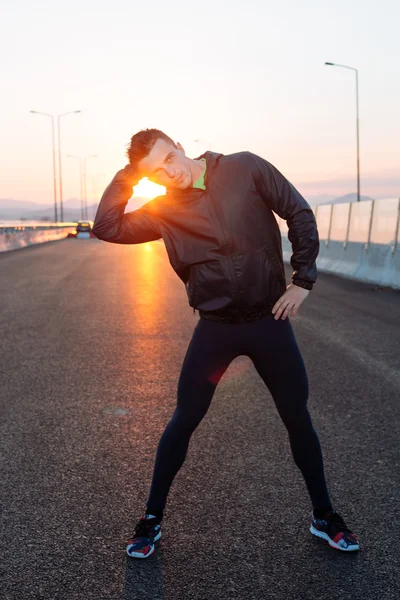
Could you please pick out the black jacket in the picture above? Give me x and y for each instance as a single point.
(223, 242)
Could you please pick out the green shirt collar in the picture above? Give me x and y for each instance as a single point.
(200, 182)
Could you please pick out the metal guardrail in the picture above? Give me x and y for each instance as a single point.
(358, 240)
(13, 237)
(45, 226)
(371, 219)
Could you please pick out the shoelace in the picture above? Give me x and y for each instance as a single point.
(340, 525)
(143, 528)
(336, 519)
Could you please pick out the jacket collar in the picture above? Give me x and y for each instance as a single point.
(212, 159)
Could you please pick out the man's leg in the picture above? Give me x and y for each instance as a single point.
(209, 354)
(277, 359)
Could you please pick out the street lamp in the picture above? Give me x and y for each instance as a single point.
(80, 179)
(95, 187)
(82, 162)
(35, 112)
(358, 124)
(59, 157)
(85, 158)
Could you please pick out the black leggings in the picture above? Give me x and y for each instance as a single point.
(272, 347)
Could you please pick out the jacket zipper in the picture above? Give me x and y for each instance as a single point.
(236, 290)
(227, 244)
(222, 236)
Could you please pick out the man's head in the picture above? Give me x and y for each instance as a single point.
(154, 155)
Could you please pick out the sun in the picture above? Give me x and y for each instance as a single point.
(148, 189)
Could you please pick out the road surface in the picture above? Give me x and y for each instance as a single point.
(92, 338)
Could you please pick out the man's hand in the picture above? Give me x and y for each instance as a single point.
(130, 175)
(289, 303)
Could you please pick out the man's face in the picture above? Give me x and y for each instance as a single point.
(166, 165)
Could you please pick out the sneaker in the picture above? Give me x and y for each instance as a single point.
(147, 531)
(334, 530)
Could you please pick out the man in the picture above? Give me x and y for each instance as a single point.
(224, 243)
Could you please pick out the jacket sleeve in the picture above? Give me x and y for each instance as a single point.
(283, 198)
(112, 225)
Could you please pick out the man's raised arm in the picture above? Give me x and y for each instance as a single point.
(112, 225)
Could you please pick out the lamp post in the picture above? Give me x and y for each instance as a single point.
(95, 188)
(357, 125)
(80, 179)
(85, 158)
(82, 163)
(59, 157)
(35, 112)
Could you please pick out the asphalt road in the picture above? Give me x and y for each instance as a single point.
(92, 338)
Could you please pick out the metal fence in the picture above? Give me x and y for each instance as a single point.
(359, 240)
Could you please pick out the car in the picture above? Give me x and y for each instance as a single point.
(84, 226)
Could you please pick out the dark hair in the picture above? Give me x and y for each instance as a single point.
(142, 142)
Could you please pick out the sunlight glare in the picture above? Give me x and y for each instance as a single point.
(148, 189)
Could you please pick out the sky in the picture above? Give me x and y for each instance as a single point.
(235, 75)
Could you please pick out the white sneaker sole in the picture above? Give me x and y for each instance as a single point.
(333, 544)
(140, 554)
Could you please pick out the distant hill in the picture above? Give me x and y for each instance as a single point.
(318, 199)
(339, 200)
(10, 209)
(17, 209)
(14, 210)
(22, 209)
